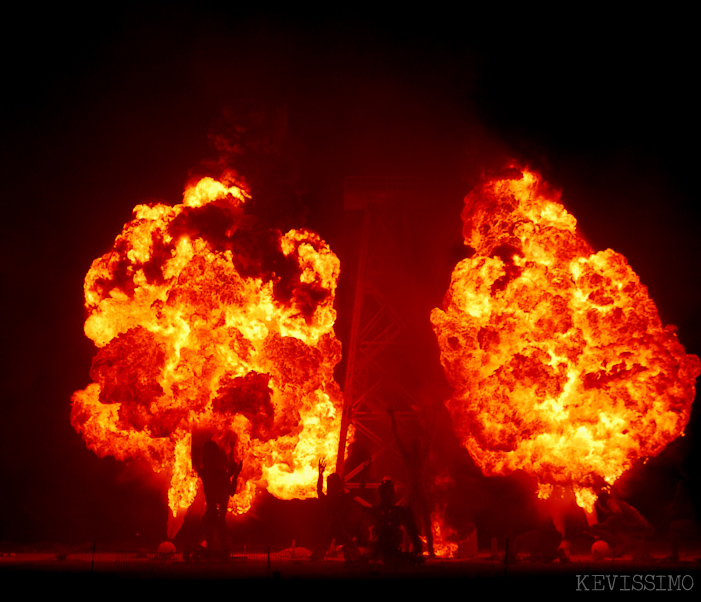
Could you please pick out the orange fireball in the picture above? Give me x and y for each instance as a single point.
(560, 363)
(206, 322)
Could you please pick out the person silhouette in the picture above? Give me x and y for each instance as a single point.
(417, 483)
(391, 520)
(684, 524)
(337, 510)
(219, 480)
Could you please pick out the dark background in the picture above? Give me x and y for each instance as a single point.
(106, 109)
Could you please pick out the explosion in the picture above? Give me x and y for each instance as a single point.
(559, 362)
(206, 322)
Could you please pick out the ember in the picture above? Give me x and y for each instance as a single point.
(205, 322)
(560, 363)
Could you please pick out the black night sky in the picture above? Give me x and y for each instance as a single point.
(108, 109)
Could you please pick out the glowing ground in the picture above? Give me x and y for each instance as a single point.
(261, 568)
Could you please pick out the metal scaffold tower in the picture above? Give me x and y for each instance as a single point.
(380, 372)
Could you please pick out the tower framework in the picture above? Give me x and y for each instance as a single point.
(381, 375)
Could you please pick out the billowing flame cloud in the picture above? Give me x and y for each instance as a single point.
(560, 363)
(206, 322)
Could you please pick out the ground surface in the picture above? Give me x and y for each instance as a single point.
(290, 569)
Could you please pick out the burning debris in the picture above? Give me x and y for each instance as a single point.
(560, 363)
(206, 322)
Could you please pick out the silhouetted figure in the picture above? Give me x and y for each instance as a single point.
(219, 479)
(417, 482)
(337, 512)
(684, 525)
(390, 523)
(623, 528)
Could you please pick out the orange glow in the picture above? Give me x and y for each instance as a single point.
(557, 356)
(205, 322)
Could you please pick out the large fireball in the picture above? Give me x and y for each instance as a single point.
(205, 322)
(559, 362)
